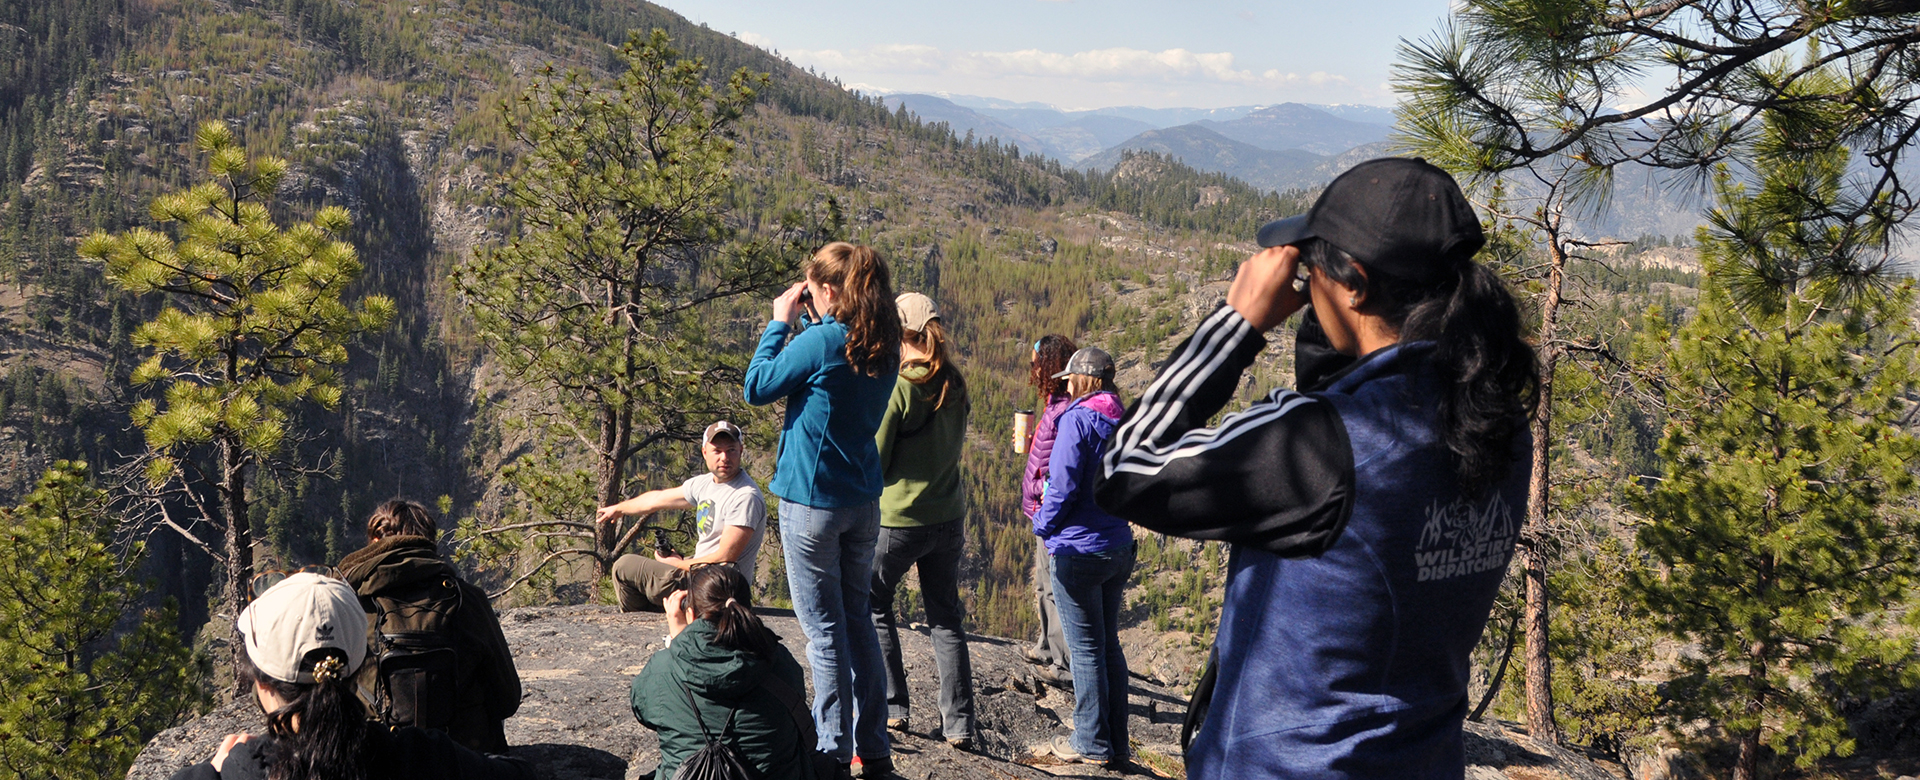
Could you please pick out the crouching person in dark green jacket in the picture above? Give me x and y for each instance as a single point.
(722, 659)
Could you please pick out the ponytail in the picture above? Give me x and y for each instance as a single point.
(863, 302)
(932, 339)
(333, 722)
(1492, 375)
(719, 593)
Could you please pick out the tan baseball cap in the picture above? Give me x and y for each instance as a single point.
(722, 427)
(915, 311)
(303, 613)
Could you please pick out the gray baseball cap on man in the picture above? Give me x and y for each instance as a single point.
(1089, 361)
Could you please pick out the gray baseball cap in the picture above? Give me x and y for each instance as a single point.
(1089, 361)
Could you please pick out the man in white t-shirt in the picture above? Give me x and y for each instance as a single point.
(732, 520)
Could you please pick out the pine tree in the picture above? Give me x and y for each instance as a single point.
(621, 199)
(80, 701)
(1783, 527)
(253, 324)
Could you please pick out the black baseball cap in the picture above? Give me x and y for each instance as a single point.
(1400, 215)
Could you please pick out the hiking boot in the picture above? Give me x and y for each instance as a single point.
(1062, 748)
(961, 743)
(1036, 657)
(873, 767)
(898, 724)
(1056, 675)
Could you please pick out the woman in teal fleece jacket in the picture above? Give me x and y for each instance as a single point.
(836, 378)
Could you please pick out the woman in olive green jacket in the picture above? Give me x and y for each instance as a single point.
(922, 511)
(721, 658)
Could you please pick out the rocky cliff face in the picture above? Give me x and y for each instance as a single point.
(574, 724)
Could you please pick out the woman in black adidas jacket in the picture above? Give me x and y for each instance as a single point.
(1372, 513)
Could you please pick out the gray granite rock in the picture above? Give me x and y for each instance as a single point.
(574, 722)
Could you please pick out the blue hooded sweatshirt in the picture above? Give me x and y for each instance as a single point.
(1068, 520)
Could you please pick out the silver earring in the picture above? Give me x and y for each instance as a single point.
(1353, 300)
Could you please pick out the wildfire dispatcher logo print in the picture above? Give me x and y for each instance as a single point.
(1462, 538)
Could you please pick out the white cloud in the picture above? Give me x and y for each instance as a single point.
(1119, 64)
(756, 39)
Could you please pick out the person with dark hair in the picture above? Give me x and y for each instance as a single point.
(1371, 516)
(836, 377)
(713, 678)
(428, 622)
(303, 642)
(921, 515)
(730, 520)
(1049, 648)
(1093, 555)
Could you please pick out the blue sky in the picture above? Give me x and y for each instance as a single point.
(1091, 53)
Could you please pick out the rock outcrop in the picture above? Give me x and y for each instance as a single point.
(574, 723)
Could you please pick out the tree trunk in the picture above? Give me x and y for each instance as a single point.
(1746, 765)
(611, 474)
(1540, 723)
(233, 498)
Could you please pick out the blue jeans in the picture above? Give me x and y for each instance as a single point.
(1087, 588)
(829, 555)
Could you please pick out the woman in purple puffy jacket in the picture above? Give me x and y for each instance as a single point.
(1050, 353)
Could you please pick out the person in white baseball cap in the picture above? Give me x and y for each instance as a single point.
(304, 636)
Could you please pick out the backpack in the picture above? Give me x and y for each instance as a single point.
(416, 658)
(718, 760)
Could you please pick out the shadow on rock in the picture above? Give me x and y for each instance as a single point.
(571, 762)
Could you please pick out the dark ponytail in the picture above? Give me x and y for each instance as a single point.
(330, 744)
(1492, 374)
(719, 593)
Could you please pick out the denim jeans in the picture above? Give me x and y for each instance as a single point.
(1050, 646)
(1087, 588)
(829, 555)
(936, 549)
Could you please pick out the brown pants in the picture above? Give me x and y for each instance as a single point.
(642, 583)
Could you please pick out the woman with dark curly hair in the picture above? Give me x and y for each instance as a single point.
(836, 377)
(1050, 353)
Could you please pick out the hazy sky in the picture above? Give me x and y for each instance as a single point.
(1091, 53)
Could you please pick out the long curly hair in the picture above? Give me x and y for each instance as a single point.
(1050, 356)
(1491, 374)
(933, 340)
(863, 302)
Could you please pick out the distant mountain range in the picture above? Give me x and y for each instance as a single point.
(1276, 147)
